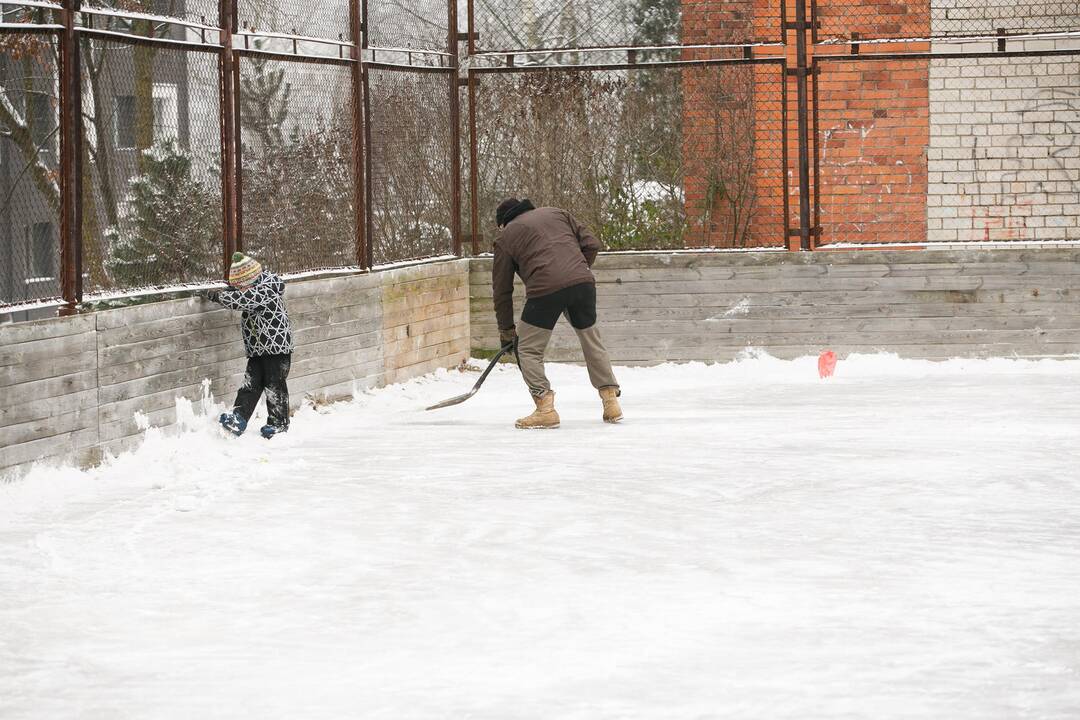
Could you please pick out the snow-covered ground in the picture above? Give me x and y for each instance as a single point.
(902, 541)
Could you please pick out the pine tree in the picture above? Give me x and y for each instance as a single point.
(264, 102)
(172, 231)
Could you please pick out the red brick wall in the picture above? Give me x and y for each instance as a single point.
(873, 125)
(732, 137)
(881, 19)
(873, 131)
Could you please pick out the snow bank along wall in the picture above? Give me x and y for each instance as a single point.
(71, 388)
(711, 306)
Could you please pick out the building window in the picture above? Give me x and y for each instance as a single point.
(41, 118)
(166, 116)
(43, 250)
(125, 121)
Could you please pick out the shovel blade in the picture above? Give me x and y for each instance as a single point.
(452, 401)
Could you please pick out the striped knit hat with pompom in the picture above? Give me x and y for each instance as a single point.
(244, 271)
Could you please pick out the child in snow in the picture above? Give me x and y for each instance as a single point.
(268, 344)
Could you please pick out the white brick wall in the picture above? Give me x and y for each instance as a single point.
(984, 17)
(1004, 154)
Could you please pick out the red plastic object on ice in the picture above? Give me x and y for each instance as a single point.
(826, 364)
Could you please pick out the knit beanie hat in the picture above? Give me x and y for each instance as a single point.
(244, 271)
(510, 208)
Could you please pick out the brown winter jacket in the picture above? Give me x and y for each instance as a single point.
(549, 249)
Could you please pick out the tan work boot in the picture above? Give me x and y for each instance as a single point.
(612, 411)
(544, 417)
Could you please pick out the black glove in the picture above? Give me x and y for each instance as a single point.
(212, 295)
(508, 337)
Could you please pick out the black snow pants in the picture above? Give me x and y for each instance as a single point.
(266, 373)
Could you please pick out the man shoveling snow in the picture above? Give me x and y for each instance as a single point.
(553, 253)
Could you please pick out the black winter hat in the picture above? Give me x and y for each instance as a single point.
(510, 208)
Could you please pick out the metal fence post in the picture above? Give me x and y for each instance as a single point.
(369, 203)
(455, 128)
(238, 134)
(71, 245)
(474, 170)
(227, 101)
(359, 31)
(801, 74)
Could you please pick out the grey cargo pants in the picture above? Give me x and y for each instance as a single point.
(538, 319)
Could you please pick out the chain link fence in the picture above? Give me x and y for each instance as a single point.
(659, 157)
(202, 12)
(296, 130)
(325, 19)
(151, 185)
(872, 159)
(411, 24)
(29, 164)
(410, 164)
(848, 21)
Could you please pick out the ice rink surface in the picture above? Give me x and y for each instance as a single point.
(902, 541)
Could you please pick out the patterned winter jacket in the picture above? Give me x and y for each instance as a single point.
(265, 321)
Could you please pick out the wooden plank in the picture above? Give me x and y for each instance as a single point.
(614, 337)
(336, 361)
(651, 356)
(422, 271)
(392, 305)
(181, 377)
(342, 391)
(123, 445)
(315, 386)
(405, 346)
(403, 288)
(50, 388)
(608, 260)
(340, 284)
(56, 367)
(355, 297)
(166, 327)
(453, 348)
(792, 312)
(335, 314)
(606, 299)
(157, 347)
(458, 319)
(444, 361)
(124, 410)
(150, 312)
(35, 351)
(56, 424)
(338, 331)
(125, 372)
(780, 326)
(47, 329)
(62, 448)
(426, 312)
(329, 347)
(12, 414)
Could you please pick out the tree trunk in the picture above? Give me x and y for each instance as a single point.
(144, 91)
(102, 141)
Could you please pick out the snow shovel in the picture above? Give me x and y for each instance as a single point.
(509, 347)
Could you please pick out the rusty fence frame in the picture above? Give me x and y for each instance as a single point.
(230, 46)
(800, 52)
